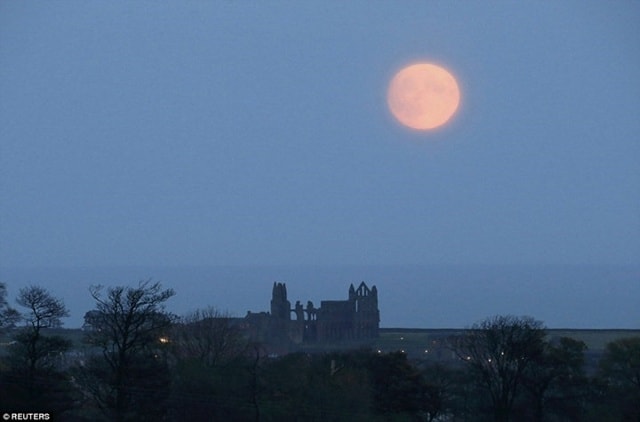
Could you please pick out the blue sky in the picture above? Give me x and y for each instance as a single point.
(242, 133)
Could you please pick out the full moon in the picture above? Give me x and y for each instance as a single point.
(423, 96)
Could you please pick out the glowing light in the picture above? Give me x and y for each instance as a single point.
(423, 96)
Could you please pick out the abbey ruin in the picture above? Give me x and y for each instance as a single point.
(352, 320)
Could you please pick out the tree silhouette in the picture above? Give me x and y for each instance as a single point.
(8, 316)
(32, 377)
(556, 381)
(43, 311)
(497, 352)
(210, 368)
(131, 379)
(620, 372)
(208, 336)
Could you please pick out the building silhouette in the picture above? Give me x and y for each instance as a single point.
(352, 320)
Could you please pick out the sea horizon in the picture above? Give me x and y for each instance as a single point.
(410, 296)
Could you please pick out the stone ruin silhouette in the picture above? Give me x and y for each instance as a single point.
(352, 320)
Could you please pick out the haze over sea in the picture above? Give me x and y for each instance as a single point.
(409, 296)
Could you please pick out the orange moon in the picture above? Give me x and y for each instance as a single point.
(423, 96)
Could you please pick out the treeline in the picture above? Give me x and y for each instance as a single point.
(140, 363)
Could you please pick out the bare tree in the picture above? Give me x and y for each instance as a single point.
(128, 326)
(209, 336)
(210, 366)
(620, 364)
(8, 316)
(497, 352)
(43, 311)
(556, 381)
(620, 372)
(31, 375)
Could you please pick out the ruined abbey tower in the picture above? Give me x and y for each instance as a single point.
(356, 318)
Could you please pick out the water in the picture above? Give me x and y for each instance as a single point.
(409, 296)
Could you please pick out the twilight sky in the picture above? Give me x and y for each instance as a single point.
(237, 133)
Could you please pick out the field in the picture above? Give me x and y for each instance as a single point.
(430, 344)
(417, 343)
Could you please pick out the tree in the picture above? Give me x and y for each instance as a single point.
(207, 336)
(497, 352)
(620, 372)
(210, 372)
(556, 381)
(302, 386)
(621, 363)
(131, 379)
(43, 311)
(32, 374)
(8, 316)
(447, 385)
(399, 388)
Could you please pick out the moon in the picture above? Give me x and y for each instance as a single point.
(423, 96)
